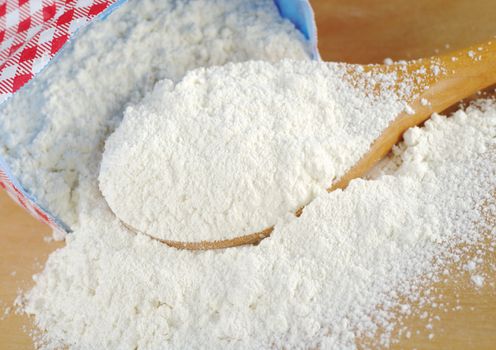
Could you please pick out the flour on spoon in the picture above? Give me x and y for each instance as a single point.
(229, 150)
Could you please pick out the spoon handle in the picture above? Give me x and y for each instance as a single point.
(453, 77)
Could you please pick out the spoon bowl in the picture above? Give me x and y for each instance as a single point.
(452, 77)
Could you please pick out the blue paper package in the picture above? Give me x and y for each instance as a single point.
(25, 53)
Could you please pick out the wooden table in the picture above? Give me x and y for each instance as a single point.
(360, 31)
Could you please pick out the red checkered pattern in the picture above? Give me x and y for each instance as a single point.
(33, 31)
(17, 195)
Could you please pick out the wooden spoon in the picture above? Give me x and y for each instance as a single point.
(457, 75)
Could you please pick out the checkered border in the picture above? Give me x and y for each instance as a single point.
(33, 31)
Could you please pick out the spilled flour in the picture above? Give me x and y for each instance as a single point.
(52, 133)
(315, 283)
(229, 150)
(321, 280)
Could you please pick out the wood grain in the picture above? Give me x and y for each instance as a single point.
(367, 31)
(357, 31)
(23, 251)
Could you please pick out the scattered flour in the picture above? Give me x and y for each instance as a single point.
(53, 131)
(478, 280)
(388, 61)
(470, 266)
(318, 282)
(230, 149)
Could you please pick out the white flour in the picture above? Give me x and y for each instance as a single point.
(52, 132)
(320, 280)
(315, 283)
(229, 150)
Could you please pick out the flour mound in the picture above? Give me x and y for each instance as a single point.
(317, 283)
(229, 150)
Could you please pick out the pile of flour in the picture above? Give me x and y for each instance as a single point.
(52, 132)
(228, 150)
(317, 282)
(321, 280)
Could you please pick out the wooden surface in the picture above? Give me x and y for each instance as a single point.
(359, 31)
